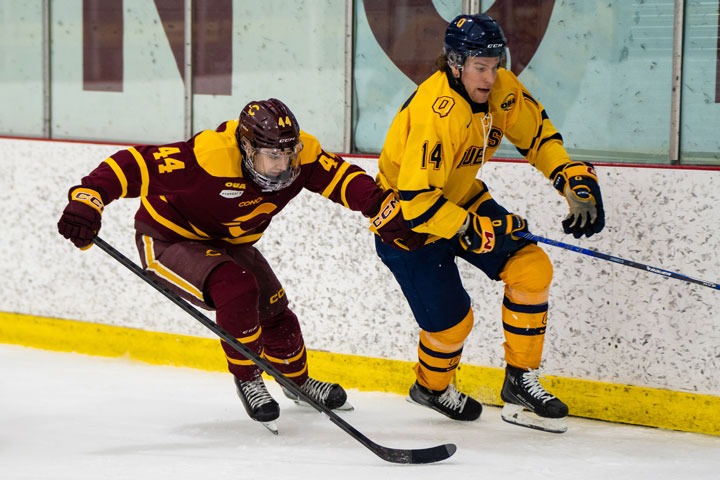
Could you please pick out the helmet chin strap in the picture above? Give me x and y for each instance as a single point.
(458, 82)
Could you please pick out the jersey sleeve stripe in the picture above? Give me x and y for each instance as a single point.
(407, 102)
(535, 138)
(343, 189)
(414, 222)
(407, 195)
(144, 176)
(119, 174)
(529, 97)
(556, 136)
(475, 198)
(475, 205)
(338, 175)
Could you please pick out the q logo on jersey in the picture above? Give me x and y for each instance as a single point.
(508, 103)
(443, 105)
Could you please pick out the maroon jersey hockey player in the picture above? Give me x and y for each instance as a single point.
(205, 202)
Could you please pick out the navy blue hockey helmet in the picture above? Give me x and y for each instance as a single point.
(476, 35)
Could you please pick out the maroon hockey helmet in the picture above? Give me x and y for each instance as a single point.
(268, 137)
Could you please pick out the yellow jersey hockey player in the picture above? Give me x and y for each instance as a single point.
(439, 139)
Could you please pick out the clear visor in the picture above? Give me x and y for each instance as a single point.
(273, 162)
(274, 168)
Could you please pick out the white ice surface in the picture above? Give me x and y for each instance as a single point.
(70, 416)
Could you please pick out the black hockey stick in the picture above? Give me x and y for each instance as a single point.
(394, 455)
(621, 261)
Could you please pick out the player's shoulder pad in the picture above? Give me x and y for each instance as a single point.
(505, 92)
(217, 151)
(436, 103)
(311, 148)
(436, 99)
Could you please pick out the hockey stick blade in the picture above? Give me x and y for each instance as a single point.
(409, 456)
(416, 456)
(621, 261)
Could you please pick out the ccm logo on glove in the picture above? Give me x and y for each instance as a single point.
(387, 212)
(89, 197)
(389, 225)
(81, 219)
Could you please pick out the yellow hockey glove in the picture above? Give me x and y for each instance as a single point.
(483, 234)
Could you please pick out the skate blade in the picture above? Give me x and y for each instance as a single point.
(346, 407)
(271, 425)
(410, 400)
(518, 415)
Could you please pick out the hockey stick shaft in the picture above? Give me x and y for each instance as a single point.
(425, 455)
(621, 261)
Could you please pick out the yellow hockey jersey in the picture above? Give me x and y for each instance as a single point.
(439, 139)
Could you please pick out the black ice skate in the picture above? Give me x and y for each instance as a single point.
(449, 402)
(260, 406)
(528, 404)
(330, 395)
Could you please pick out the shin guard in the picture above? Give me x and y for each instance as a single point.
(234, 292)
(439, 354)
(284, 347)
(527, 276)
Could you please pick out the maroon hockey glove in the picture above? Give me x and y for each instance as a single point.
(80, 221)
(389, 224)
(577, 181)
(483, 234)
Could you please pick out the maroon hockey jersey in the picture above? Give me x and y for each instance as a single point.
(195, 190)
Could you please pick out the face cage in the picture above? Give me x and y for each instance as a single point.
(266, 182)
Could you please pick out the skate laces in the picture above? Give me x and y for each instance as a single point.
(255, 392)
(317, 389)
(531, 382)
(451, 398)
